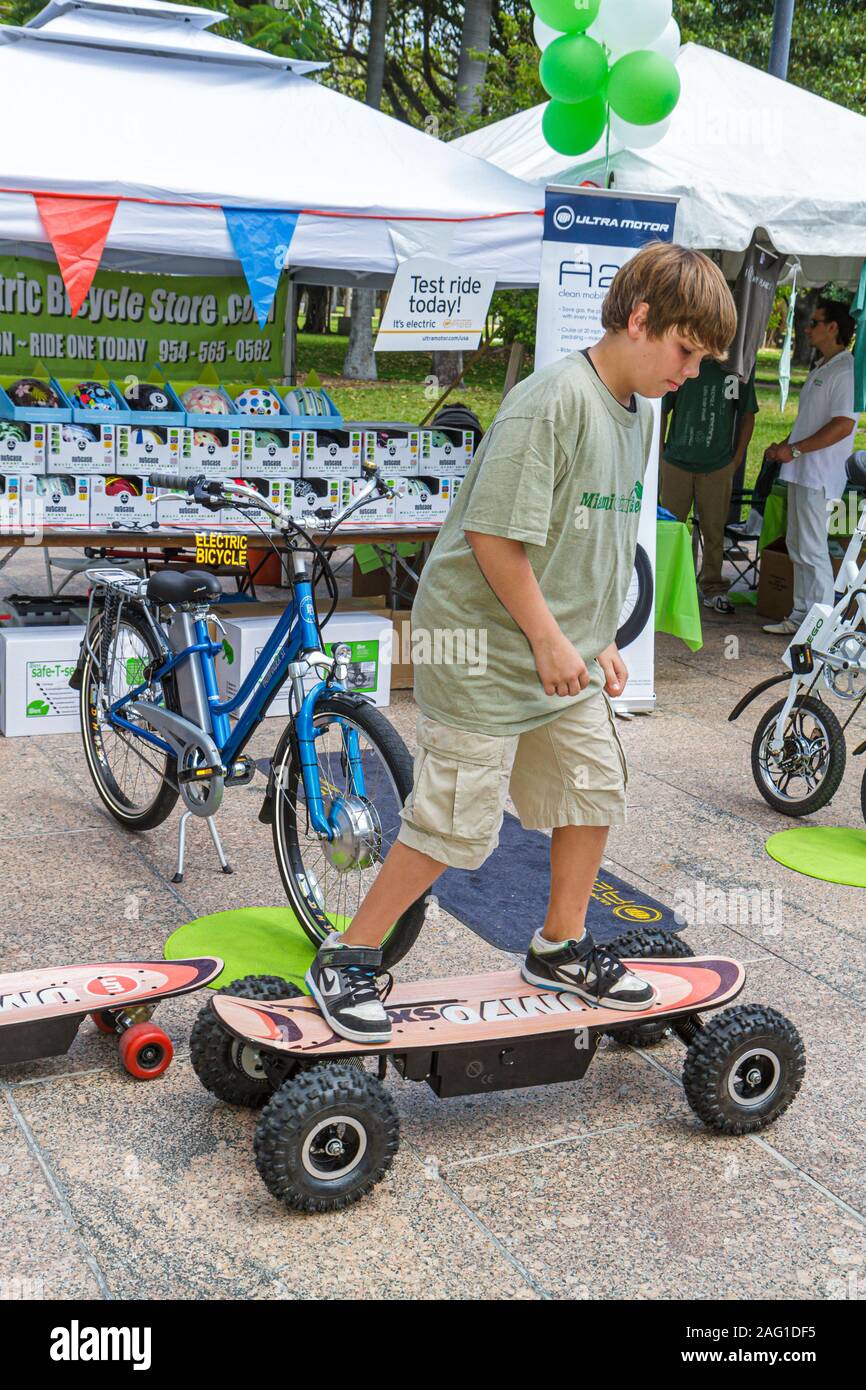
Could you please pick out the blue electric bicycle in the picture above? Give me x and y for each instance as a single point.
(155, 729)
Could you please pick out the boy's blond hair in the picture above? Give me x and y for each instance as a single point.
(684, 290)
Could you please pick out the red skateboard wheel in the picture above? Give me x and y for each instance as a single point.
(145, 1051)
(104, 1020)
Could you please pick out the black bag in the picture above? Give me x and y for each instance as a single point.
(459, 417)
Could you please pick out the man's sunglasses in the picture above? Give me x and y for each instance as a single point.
(813, 323)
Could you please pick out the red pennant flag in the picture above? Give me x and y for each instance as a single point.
(77, 229)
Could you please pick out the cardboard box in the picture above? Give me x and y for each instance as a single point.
(210, 449)
(396, 449)
(776, 580)
(35, 666)
(272, 452)
(445, 451)
(333, 453)
(79, 448)
(369, 635)
(377, 511)
(10, 503)
(315, 500)
(149, 448)
(55, 501)
(127, 501)
(22, 446)
(402, 673)
(424, 500)
(176, 508)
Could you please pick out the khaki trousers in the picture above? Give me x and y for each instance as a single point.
(711, 495)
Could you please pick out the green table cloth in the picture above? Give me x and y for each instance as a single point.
(677, 606)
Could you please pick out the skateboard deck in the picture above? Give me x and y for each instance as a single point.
(494, 1007)
(41, 1010)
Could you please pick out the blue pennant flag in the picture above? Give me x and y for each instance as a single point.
(261, 237)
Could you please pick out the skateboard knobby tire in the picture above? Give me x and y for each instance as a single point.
(642, 943)
(228, 1068)
(326, 1137)
(743, 1069)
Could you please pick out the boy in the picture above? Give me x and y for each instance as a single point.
(535, 558)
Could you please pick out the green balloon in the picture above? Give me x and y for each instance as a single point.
(643, 87)
(568, 16)
(573, 68)
(573, 127)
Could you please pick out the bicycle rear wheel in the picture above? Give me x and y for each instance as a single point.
(326, 882)
(134, 779)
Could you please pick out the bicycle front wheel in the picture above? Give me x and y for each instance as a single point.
(134, 779)
(326, 881)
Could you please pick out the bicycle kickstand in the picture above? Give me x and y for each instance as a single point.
(181, 846)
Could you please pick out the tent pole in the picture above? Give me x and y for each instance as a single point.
(783, 18)
(290, 325)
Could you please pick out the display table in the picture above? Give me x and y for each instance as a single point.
(678, 609)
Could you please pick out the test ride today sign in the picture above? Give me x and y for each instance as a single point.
(434, 305)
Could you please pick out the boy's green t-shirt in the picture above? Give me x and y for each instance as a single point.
(561, 469)
(706, 418)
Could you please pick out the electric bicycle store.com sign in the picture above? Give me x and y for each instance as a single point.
(181, 321)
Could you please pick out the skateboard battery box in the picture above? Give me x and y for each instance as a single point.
(393, 448)
(55, 501)
(124, 502)
(368, 636)
(22, 446)
(445, 451)
(149, 448)
(333, 453)
(272, 453)
(35, 666)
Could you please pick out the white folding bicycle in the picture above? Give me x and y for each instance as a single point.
(798, 751)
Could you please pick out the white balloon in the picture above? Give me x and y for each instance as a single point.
(628, 24)
(543, 33)
(668, 42)
(638, 137)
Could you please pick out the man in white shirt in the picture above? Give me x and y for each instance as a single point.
(813, 459)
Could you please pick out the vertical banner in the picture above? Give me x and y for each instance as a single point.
(588, 234)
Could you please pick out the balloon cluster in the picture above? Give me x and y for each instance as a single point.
(606, 61)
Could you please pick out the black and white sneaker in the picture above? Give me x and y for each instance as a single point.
(342, 980)
(583, 968)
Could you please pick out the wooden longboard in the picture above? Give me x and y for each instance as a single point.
(480, 1008)
(40, 1010)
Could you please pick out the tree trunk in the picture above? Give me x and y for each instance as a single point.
(360, 360)
(447, 367)
(318, 309)
(472, 70)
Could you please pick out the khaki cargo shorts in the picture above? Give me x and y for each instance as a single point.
(569, 771)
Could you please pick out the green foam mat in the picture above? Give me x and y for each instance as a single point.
(836, 854)
(250, 941)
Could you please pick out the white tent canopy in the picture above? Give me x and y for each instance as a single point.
(138, 101)
(743, 150)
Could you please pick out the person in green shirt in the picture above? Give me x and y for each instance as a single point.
(519, 604)
(711, 424)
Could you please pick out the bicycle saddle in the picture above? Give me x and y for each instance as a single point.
(178, 586)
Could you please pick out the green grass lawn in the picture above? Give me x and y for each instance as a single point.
(401, 394)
